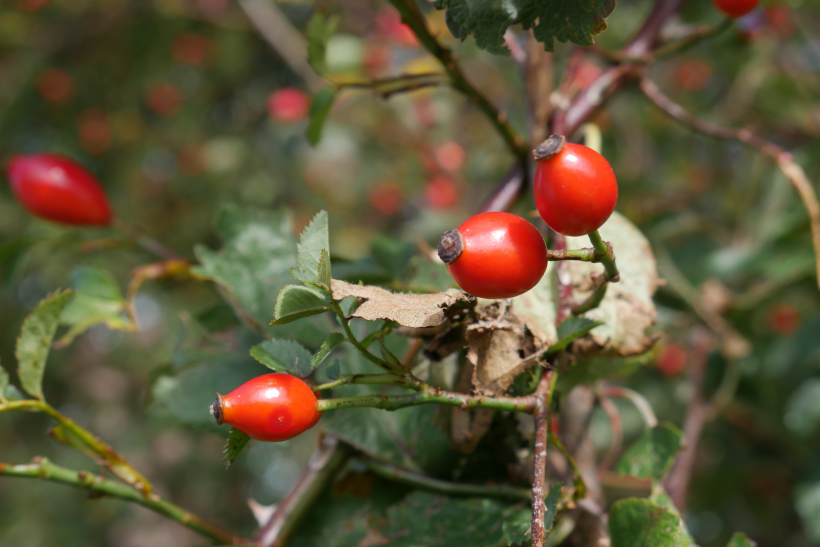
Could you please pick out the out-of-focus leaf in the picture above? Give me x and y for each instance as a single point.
(653, 453)
(327, 346)
(334, 370)
(571, 329)
(660, 497)
(313, 241)
(598, 368)
(577, 22)
(739, 539)
(319, 110)
(637, 522)
(319, 30)
(807, 504)
(627, 310)
(4, 382)
(392, 254)
(34, 342)
(13, 394)
(551, 503)
(233, 447)
(186, 396)
(295, 302)
(429, 276)
(284, 356)
(516, 527)
(803, 409)
(98, 300)
(254, 263)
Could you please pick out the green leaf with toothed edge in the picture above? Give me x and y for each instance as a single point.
(295, 302)
(284, 356)
(234, 446)
(13, 394)
(35, 339)
(98, 300)
(319, 30)
(637, 522)
(653, 454)
(312, 243)
(319, 109)
(328, 345)
(516, 527)
(571, 329)
(739, 539)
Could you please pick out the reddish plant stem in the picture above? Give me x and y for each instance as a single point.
(508, 190)
(565, 300)
(617, 429)
(543, 395)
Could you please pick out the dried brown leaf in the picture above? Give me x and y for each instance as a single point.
(408, 310)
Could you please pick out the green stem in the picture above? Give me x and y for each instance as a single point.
(395, 473)
(428, 395)
(371, 379)
(412, 16)
(43, 469)
(578, 480)
(605, 255)
(359, 346)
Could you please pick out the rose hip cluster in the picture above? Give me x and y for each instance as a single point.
(501, 255)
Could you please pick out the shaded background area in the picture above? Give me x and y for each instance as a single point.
(167, 102)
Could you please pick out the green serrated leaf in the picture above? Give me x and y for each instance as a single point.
(516, 527)
(319, 110)
(660, 497)
(334, 370)
(392, 254)
(312, 242)
(653, 453)
(327, 346)
(325, 277)
(571, 329)
(98, 300)
(295, 302)
(739, 539)
(4, 383)
(637, 522)
(35, 339)
(551, 503)
(319, 30)
(284, 356)
(487, 20)
(234, 446)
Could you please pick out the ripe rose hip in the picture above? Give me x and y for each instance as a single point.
(494, 255)
(288, 104)
(56, 188)
(273, 407)
(735, 8)
(575, 188)
(672, 359)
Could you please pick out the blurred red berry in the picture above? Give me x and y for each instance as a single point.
(94, 131)
(441, 192)
(387, 198)
(672, 359)
(376, 60)
(163, 99)
(586, 74)
(693, 74)
(55, 85)
(190, 48)
(388, 23)
(735, 8)
(31, 5)
(288, 104)
(781, 20)
(784, 319)
(450, 156)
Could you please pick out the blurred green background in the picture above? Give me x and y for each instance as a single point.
(167, 103)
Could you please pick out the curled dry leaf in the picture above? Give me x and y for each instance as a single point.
(408, 310)
(627, 310)
(500, 347)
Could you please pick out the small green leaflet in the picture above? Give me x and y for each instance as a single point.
(319, 109)
(319, 30)
(653, 453)
(296, 301)
(284, 356)
(334, 370)
(327, 346)
(236, 442)
(312, 243)
(13, 394)
(571, 329)
(740, 539)
(637, 522)
(551, 502)
(98, 300)
(35, 339)
(392, 254)
(516, 527)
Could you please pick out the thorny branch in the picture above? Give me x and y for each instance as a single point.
(543, 395)
(784, 160)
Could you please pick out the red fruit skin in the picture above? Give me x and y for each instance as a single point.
(735, 8)
(672, 359)
(503, 256)
(56, 188)
(575, 190)
(289, 104)
(273, 407)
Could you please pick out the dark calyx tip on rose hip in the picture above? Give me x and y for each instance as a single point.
(451, 246)
(548, 148)
(216, 409)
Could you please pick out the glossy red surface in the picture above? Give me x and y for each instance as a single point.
(57, 188)
(575, 190)
(289, 104)
(735, 8)
(503, 256)
(273, 407)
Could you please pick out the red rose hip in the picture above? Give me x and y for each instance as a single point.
(273, 407)
(575, 188)
(56, 188)
(735, 8)
(494, 255)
